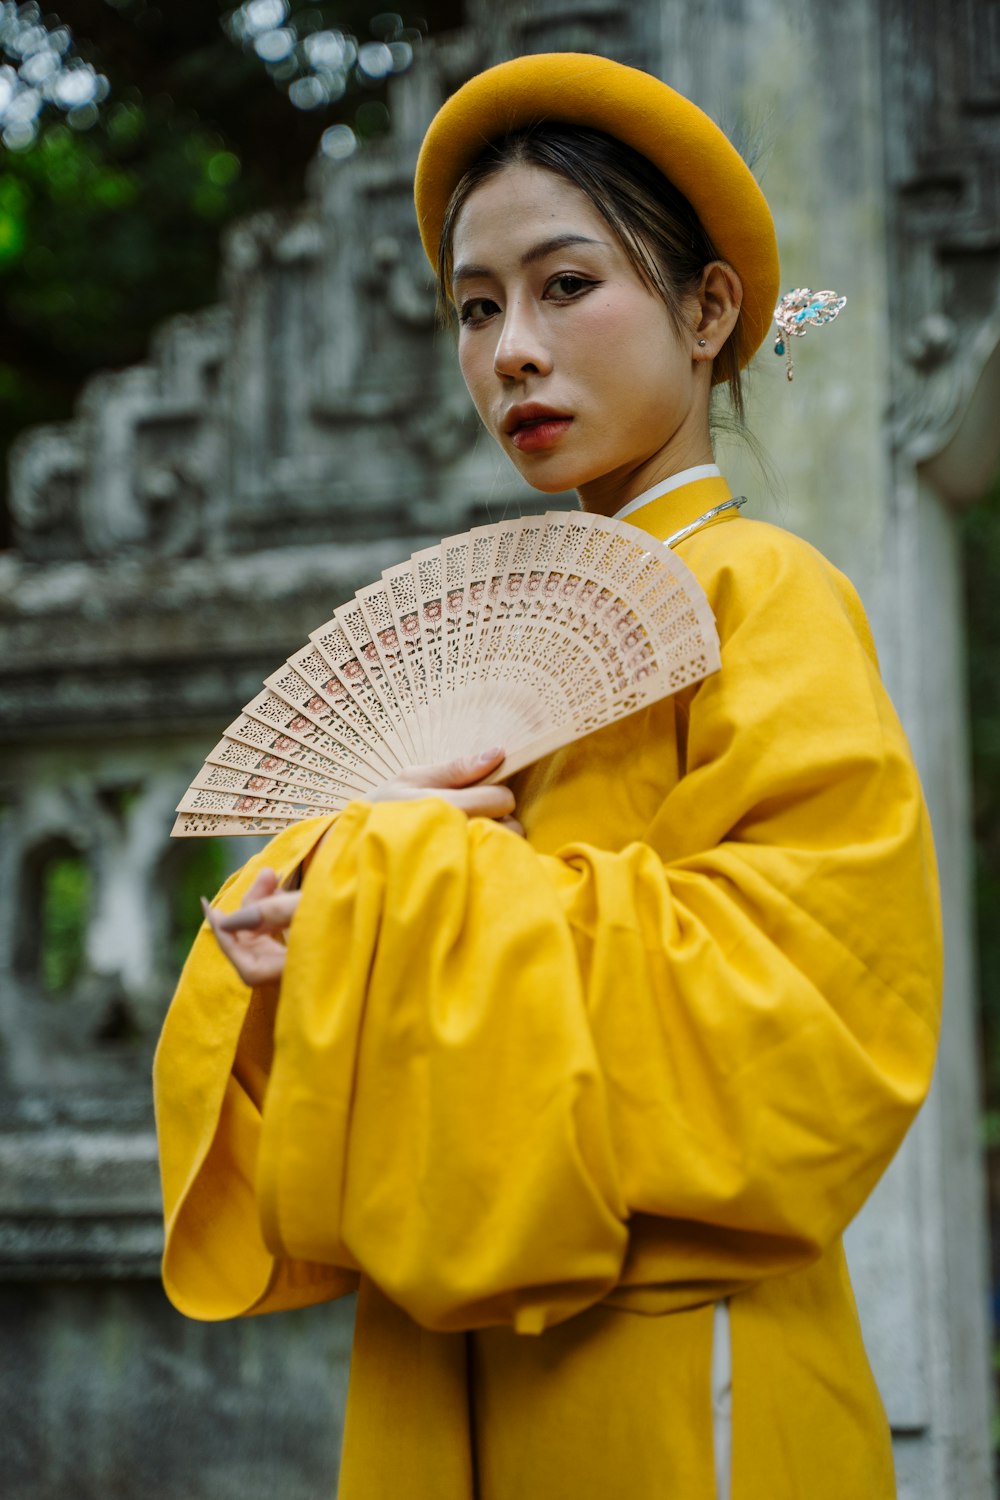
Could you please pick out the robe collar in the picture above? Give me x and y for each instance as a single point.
(679, 500)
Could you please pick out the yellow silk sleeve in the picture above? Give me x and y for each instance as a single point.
(508, 1084)
(209, 1074)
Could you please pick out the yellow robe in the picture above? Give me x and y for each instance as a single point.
(547, 1101)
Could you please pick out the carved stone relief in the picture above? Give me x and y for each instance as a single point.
(605, 26)
(46, 465)
(941, 71)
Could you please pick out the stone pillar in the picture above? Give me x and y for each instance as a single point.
(880, 139)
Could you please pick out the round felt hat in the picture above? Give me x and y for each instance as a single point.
(674, 134)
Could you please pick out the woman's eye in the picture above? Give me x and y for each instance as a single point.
(477, 310)
(568, 286)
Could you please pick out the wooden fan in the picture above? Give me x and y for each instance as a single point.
(527, 634)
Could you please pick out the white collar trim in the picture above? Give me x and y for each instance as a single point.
(675, 482)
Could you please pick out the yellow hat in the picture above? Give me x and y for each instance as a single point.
(674, 134)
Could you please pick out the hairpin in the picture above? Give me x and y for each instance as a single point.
(797, 311)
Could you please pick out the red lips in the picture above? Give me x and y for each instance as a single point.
(531, 412)
(531, 426)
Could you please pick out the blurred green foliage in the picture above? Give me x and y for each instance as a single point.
(64, 911)
(199, 871)
(65, 890)
(106, 232)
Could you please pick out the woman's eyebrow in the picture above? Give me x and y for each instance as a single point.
(537, 252)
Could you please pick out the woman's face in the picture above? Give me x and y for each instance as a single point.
(575, 366)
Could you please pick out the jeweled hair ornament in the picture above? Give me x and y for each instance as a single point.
(799, 310)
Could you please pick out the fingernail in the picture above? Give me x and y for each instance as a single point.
(206, 905)
(493, 754)
(247, 918)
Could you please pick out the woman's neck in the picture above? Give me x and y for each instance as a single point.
(609, 494)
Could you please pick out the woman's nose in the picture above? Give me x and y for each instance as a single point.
(521, 348)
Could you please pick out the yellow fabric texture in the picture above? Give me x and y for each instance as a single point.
(550, 1099)
(661, 124)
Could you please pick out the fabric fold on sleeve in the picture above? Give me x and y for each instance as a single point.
(208, 1077)
(435, 1095)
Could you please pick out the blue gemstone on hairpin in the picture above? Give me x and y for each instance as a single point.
(799, 307)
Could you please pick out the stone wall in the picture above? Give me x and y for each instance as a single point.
(204, 511)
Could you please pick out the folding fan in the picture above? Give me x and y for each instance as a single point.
(527, 634)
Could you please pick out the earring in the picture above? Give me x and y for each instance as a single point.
(702, 343)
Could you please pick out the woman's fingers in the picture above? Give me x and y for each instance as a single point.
(474, 801)
(257, 957)
(245, 936)
(454, 773)
(478, 801)
(456, 781)
(265, 884)
(255, 966)
(265, 914)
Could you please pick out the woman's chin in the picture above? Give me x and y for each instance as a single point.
(551, 477)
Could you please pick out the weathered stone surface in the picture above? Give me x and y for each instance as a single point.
(105, 1392)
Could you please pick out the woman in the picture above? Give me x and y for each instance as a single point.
(580, 1081)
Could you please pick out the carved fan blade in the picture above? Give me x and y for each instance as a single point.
(528, 634)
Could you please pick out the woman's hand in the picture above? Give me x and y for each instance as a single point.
(252, 938)
(456, 781)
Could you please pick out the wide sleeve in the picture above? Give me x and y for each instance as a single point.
(209, 1076)
(509, 1084)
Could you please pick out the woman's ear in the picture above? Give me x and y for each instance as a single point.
(719, 296)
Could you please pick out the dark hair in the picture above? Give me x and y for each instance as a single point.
(658, 229)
